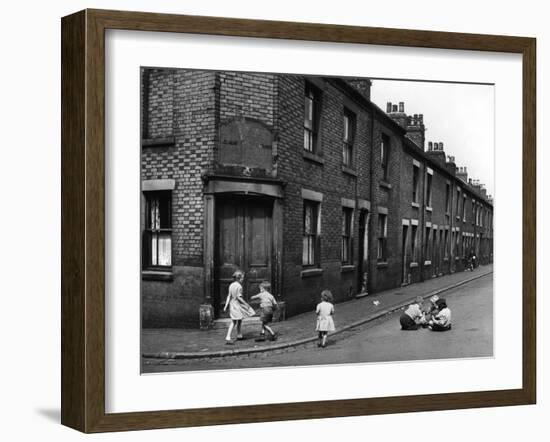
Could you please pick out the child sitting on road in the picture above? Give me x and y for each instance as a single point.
(325, 323)
(268, 304)
(411, 317)
(429, 310)
(442, 320)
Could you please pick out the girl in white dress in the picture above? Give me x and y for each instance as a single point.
(238, 307)
(325, 312)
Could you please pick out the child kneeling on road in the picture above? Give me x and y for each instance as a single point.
(411, 317)
(268, 304)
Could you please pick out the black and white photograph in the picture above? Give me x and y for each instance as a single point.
(301, 220)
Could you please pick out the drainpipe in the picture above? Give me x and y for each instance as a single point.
(370, 264)
(422, 221)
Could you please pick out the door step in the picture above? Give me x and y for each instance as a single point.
(253, 321)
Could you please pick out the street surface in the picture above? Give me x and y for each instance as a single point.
(378, 341)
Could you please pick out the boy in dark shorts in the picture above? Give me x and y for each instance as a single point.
(268, 304)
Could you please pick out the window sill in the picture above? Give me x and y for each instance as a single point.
(382, 264)
(313, 157)
(157, 275)
(429, 209)
(311, 272)
(427, 263)
(385, 185)
(412, 265)
(415, 205)
(349, 171)
(347, 268)
(158, 142)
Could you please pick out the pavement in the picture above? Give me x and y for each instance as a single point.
(297, 330)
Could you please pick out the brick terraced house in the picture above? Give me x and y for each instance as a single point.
(298, 180)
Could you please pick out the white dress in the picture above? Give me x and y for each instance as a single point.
(324, 311)
(236, 309)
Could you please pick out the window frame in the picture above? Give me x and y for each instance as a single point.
(381, 244)
(429, 186)
(415, 183)
(385, 147)
(347, 236)
(151, 231)
(314, 237)
(312, 126)
(349, 141)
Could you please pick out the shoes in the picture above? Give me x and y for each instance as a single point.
(274, 337)
(229, 342)
(240, 338)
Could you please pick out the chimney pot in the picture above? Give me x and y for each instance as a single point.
(401, 106)
(388, 107)
(421, 118)
(441, 145)
(394, 108)
(430, 145)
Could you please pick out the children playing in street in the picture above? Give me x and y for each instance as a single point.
(268, 304)
(325, 322)
(442, 320)
(238, 307)
(412, 317)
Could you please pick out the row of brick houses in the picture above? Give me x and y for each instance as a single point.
(298, 180)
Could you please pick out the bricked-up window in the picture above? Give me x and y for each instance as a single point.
(446, 245)
(464, 208)
(457, 209)
(416, 183)
(312, 117)
(311, 238)
(429, 178)
(157, 238)
(413, 243)
(347, 238)
(448, 198)
(382, 237)
(385, 156)
(349, 137)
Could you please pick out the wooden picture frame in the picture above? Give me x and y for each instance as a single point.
(83, 217)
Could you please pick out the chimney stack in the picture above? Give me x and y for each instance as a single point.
(436, 152)
(462, 173)
(363, 85)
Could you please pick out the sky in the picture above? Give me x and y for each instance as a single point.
(459, 115)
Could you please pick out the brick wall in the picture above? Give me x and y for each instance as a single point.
(190, 106)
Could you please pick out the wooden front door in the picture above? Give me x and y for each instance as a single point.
(244, 235)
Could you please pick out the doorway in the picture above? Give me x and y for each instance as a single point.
(243, 240)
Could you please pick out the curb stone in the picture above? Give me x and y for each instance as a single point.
(297, 342)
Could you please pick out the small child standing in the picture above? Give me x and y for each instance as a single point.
(325, 312)
(442, 320)
(238, 307)
(268, 304)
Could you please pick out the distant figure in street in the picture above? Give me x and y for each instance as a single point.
(472, 261)
(268, 304)
(412, 317)
(442, 320)
(325, 312)
(238, 307)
